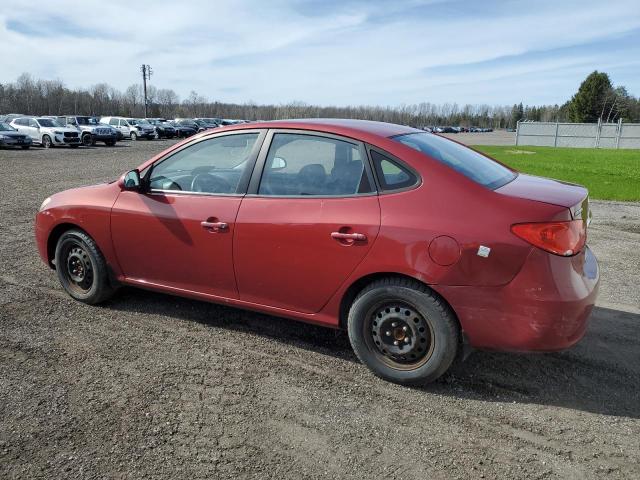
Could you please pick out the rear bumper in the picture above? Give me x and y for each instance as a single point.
(544, 308)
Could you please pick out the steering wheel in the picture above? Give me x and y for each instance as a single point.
(207, 183)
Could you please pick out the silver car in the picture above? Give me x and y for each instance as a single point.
(91, 130)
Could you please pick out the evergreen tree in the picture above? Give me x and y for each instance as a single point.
(517, 114)
(590, 103)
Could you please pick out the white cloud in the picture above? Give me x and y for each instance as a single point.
(327, 52)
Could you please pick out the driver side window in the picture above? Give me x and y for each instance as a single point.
(213, 166)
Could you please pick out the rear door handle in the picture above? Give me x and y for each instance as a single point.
(215, 226)
(356, 237)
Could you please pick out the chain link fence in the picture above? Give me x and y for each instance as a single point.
(581, 135)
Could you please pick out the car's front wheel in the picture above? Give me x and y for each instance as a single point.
(87, 140)
(46, 141)
(134, 136)
(403, 332)
(81, 268)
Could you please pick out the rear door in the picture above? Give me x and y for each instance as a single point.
(33, 130)
(311, 216)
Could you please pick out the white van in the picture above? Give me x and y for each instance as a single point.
(121, 124)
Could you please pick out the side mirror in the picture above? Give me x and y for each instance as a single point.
(131, 180)
(278, 163)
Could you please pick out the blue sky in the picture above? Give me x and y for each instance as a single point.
(329, 52)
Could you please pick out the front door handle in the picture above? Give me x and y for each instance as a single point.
(356, 237)
(214, 226)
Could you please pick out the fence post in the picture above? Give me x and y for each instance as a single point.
(517, 131)
(619, 132)
(555, 138)
(598, 131)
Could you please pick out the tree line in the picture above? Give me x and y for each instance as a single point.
(596, 98)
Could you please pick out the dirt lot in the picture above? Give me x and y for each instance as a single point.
(152, 386)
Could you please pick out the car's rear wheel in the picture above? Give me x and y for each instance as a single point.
(402, 331)
(46, 141)
(81, 268)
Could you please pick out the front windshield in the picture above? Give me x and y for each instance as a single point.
(5, 127)
(471, 164)
(47, 122)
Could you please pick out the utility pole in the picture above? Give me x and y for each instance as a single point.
(146, 75)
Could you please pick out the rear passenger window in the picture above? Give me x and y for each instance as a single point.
(392, 175)
(300, 165)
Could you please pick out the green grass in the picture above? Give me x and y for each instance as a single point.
(608, 174)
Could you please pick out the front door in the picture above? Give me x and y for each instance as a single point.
(179, 233)
(312, 220)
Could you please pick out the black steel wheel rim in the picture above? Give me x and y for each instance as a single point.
(78, 268)
(399, 335)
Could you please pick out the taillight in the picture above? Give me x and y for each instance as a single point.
(559, 238)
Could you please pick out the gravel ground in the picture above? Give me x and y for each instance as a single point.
(154, 386)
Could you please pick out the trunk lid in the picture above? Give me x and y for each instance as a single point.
(546, 190)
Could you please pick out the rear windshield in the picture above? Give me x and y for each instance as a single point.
(471, 164)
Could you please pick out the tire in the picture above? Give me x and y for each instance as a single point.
(133, 136)
(82, 269)
(403, 332)
(46, 141)
(87, 141)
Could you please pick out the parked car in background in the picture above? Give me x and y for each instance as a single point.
(183, 130)
(7, 118)
(211, 121)
(91, 130)
(47, 131)
(188, 122)
(10, 137)
(141, 129)
(205, 125)
(226, 122)
(163, 128)
(120, 124)
(413, 243)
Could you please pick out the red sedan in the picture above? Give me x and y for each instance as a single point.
(414, 243)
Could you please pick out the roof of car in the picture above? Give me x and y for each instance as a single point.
(382, 129)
